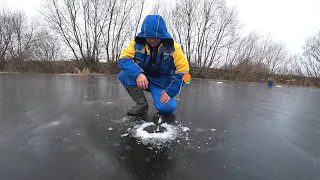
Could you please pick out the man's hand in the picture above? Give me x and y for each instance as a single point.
(164, 97)
(142, 81)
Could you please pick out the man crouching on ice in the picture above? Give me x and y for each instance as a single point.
(154, 62)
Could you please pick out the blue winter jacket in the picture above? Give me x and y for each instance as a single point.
(171, 64)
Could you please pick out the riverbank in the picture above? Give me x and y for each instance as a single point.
(75, 68)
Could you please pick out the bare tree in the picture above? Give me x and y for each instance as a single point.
(276, 57)
(23, 37)
(181, 19)
(175, 24)
(203, 28)
(295, 66)
(248, 52)
(80, 24)
(158, 7)
(186, 10)
(121, 23)
(225, 28)
(122, 29)
(259, 56)
(46, 47)
(140, 9)
(57, 19)
(6, 35)
(94, 29)
(16, 37)
(312, 56)
(232, 52)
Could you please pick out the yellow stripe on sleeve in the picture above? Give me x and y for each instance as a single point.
(180, 60)
(129, 51)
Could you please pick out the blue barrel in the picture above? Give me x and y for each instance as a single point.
(270, 83)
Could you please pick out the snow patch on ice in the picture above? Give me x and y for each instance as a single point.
(124, 135)
(157, 139)
(185, 129)
(154, 138)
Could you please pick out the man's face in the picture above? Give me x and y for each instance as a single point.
(153, 42)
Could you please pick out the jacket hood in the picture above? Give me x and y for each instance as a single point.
(154, 26)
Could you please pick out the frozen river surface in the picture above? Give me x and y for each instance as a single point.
(75, 127)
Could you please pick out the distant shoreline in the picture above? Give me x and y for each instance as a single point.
(115, 74)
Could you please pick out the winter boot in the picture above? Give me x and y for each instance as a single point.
(137, 96)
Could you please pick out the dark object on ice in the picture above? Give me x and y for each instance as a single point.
(160, 118)
(270, 82)
(155, 129)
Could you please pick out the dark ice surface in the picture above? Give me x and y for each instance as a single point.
(69, 127)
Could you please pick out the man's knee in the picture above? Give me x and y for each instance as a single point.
(167, 107)
(126, 79)
(121, 77)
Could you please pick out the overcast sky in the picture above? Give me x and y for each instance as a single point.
(290, 21)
